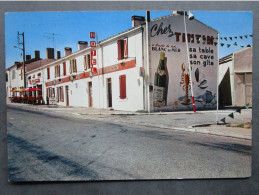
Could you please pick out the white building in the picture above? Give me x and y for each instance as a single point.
(235, 78)
(127, 65)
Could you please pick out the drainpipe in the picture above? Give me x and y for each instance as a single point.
(148, 64)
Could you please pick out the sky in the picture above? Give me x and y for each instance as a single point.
(71, 27)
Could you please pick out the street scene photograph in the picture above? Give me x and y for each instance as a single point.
(128, 95)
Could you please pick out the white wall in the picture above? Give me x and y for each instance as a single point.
(107, 55)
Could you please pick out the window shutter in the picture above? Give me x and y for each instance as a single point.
(71, 67)
(57, 98)
(126, 47)
(85, 65)
(64, 68)
(48, 73)
(59, 70)
(120, 49)
(75, 66)
(88, 61)
(62, 94)
(122, 86)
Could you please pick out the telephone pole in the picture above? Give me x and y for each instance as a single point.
(23, 51)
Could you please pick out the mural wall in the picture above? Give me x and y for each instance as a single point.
(169, 62)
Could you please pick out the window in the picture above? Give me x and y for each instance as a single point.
(60, 94)
(48, 73)
(122, 48)
(13, 74)
(87, 61)
(57, 71)
(6, 77)
(122, 80)
(73, 66)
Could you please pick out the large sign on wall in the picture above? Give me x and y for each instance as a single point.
(169, 62)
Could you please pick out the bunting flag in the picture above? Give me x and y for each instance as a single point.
(228, 45)
(222, 44)
(223, 120)
(235, 37)
(220, 38)
(230, 38)
(246, 36)
(242, 46)
(231, 115)
(238, 110)
(248, 45)
(235, 43)
(241, 37)
(226, 38)
(251, 35)
(215, 44)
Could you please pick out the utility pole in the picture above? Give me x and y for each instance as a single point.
(23, 51)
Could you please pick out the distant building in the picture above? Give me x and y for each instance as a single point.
(235, 78)
(14, 74)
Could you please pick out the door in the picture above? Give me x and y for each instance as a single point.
(109, 92)
(67, 96)
(90, 94)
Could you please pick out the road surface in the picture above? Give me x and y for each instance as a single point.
(54, 147)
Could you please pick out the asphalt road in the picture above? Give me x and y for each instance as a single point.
(54, 147)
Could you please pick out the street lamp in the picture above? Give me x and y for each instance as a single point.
(23, 50)
(190, 17)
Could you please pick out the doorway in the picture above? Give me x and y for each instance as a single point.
(90, 94)
(67, 95)
(109, 92)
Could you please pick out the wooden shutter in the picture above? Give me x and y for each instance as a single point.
(75, 69)
(88, 61)
(125, 45)
(59, 70)
(85, 65)
(48, 73)
(64, 69)
(120, 49)
(57, 97)
(71, 67)
(122, 86)
(62, 94)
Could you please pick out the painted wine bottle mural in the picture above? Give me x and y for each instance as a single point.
(161, 82)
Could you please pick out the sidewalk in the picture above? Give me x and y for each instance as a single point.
(200, 122)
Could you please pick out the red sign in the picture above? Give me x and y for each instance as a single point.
(93, 52)
(94, 70)
(93, 61)
(92, 44)
(92, 35)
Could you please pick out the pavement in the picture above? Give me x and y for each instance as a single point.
(204, 122)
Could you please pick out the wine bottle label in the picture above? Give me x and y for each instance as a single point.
(158, 94)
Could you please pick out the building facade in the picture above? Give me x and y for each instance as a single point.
(142, 68)
(235, 78)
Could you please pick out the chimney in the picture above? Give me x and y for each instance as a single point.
(58, 55)
(137, 20)
(82, 45)
(68, 51)
(179, 12)
(50, 53)
(27, 57)
(37, 54)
